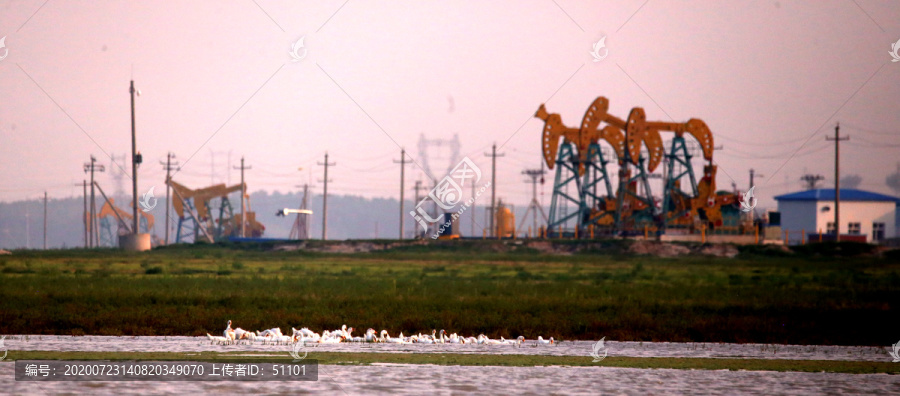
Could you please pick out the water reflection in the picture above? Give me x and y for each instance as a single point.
(566, 348)
(404, 379)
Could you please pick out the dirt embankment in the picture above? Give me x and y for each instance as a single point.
(651, 248)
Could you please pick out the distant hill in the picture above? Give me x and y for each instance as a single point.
(349, 217)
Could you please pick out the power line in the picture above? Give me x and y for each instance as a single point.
(873, 131)
(878, 144)
(766, 143)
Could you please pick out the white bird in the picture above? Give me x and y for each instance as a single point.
(424, 340)
(542, 341)
(340, 332)
(517, 341)
(305, 335)
(387, 338)
(273, 332)
(228, 333)
(241, 334)
(216, 339)
(348, 334)
(334, 339)
(370, 335)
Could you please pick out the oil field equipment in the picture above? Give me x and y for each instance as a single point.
(505, 221)
(583, 180)
(300, 229)
(123, 219)
(451, 232)
(109, 214)
(196, 208)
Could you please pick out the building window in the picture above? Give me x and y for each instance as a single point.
(829, 229)
(853, 228)
(877, 231)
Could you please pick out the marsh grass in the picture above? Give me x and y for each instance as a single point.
(194, 290)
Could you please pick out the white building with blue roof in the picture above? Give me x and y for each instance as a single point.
(863, 213)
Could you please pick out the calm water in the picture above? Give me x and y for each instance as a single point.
(431, 379)
(427, 379)
(567, 348)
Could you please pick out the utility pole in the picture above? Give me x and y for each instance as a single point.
(300, 229)
(243, 199)
(84, 217)
(493, 156)
(92, 167)
(169, 167)
(402, 163)
(542, 185)
(534, 207)
(135, 161)
(306, 204)
(472, 209)
(417, 188)
(811, 180)
(326, 164)
(45, 220)
(27, 227)
(752, 174)
(752, 214)
(837, 179)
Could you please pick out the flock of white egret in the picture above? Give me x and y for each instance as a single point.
(344, 334)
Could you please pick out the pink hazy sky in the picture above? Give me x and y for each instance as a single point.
(770, 78)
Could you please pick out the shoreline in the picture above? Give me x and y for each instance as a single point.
(456, 359)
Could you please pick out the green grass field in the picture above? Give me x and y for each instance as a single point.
(463, 287)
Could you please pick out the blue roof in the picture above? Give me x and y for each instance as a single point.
(827, 194)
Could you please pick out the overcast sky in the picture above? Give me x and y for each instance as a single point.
(770, 78)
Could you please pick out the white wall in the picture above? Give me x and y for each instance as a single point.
(864, 213)
(808, 215)
(797, 216)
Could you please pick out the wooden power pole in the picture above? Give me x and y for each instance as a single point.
(45, 220)
(326, 164)
(402, 163)
(93, 167)
(837, 179)
(493, 209)
(169, 167)
(243, 199)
